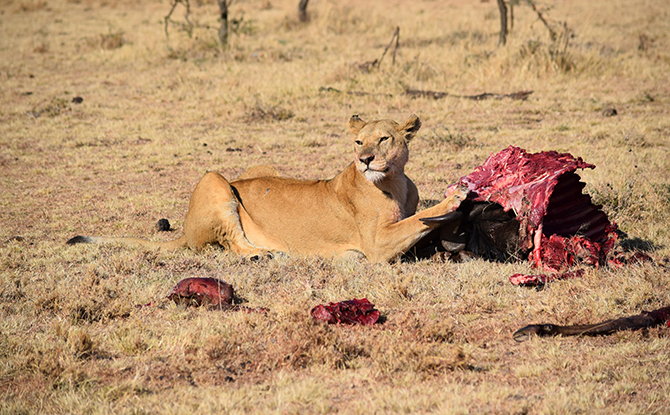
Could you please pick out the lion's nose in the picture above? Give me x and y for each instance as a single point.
(367, 160)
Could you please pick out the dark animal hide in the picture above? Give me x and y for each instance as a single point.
(645, 320)
(524, 205)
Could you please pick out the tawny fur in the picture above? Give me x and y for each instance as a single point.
(368, 210)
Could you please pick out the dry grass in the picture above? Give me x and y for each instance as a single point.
(73, 338)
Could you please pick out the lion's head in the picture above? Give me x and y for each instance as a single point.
(380, 147)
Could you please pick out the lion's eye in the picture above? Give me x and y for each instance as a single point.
(358, 142)
(381, 140)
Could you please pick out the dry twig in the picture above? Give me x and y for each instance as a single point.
(417, 93)
(354, 93)
(189, 26)
(396, 37)
(552, 33)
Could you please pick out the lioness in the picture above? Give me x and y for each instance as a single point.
(368, 210)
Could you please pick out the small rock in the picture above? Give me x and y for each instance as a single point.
(610, 112)
(163, 225)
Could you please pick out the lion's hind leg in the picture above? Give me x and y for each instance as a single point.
(213, 218)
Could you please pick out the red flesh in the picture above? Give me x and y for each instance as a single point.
(347, 312)
(199, 291)
(522, 279)
(560, 226)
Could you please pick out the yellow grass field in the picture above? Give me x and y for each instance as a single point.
(153, 117)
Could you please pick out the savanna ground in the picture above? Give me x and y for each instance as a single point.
(153, 120)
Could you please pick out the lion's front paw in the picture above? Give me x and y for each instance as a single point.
(446, 211)
(458, 193)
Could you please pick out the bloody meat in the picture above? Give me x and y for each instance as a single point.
(356, 311)
(529, 205)
(202, 291)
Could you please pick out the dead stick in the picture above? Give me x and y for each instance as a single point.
(354, 93)
(397, 44)
(418, 93)
(552, 34)
(396, 37)
(188, 12)
(521, 95)
(503, 23)
(167, 21)
(189, 28)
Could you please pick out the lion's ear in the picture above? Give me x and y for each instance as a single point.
(410, 127)
(355, 124)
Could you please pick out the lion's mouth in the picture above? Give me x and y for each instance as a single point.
(373, 175)
(366, 169)
(386, 170)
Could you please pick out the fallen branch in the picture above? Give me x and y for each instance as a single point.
(520, 95)
(354, 93)
(647, 319)
(417, 93)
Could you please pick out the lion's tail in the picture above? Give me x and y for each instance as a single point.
(133, 242)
